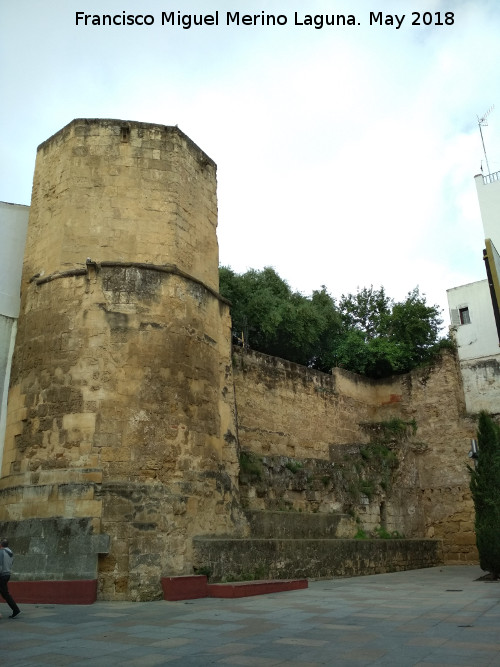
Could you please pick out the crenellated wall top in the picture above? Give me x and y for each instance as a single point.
(85, 126)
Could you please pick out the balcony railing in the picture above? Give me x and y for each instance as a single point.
(491, 178)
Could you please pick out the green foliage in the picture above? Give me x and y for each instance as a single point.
(203, 570)
(399, 427)
(381, 455)
(381, 459)
(366, 311)
(367, 487)
(270, 318)
(367, 332)
(383, 534)
(485, 489)
(382, 337)
(294, 466)
(360, 535)
(393, 429)
(250, 465)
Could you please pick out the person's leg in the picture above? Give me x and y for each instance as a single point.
(4, 592)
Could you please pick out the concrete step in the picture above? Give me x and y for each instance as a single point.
(191, 587)
(241, 589)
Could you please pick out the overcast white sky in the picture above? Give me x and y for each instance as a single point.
(346, 155)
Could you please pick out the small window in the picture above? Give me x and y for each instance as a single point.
(125, 133)
(464, 315)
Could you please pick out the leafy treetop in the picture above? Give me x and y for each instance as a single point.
(366, 332)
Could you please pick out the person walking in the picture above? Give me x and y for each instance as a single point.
(6, 558)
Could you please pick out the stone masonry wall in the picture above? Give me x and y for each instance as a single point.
(121, 406)
(296, 415)
(128, 418)
(118, 190)
(127, 415)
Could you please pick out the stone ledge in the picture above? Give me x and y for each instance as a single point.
(191, 587)
(241, 589)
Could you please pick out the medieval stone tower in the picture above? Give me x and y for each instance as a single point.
(121, 435)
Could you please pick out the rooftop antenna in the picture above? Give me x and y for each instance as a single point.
(483, 122)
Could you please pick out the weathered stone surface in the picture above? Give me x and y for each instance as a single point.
(323, 422)
(121, 407)
(481, 378)
(129, 413)
(298, 525)
(122, 191)
(54, 548)
(294, 559)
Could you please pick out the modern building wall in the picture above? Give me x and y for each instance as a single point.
(472, 318)
(472, 314)
(488, 194)
(13, 225)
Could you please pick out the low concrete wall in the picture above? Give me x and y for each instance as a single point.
(228, 559)
(80, 591)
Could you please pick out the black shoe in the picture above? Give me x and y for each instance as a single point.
(14, 614)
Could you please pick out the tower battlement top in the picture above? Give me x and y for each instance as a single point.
(88, 127)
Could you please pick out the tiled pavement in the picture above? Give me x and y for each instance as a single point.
(437, 616)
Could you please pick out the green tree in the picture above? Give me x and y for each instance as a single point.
(329, 326)
(416, 327)
(485, 489)
(382, 337)
(273, 319)
(367, 333)
(365, 311)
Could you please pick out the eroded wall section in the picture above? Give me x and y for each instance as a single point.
(298, 420)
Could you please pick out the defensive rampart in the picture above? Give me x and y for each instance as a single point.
(121, 408)
(393, 452)
(135, 432)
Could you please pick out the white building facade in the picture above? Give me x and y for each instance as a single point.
(13, 227)
(472, 314)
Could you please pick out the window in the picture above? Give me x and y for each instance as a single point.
(125, 133)
(464, 315)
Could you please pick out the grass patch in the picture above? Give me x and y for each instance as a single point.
(383, 534)
(251, 465)
(366, 487)
(361, 535)
(294, 466)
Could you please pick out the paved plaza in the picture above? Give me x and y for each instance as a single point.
(437, 616)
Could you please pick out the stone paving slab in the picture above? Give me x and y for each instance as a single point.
(436, 617)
